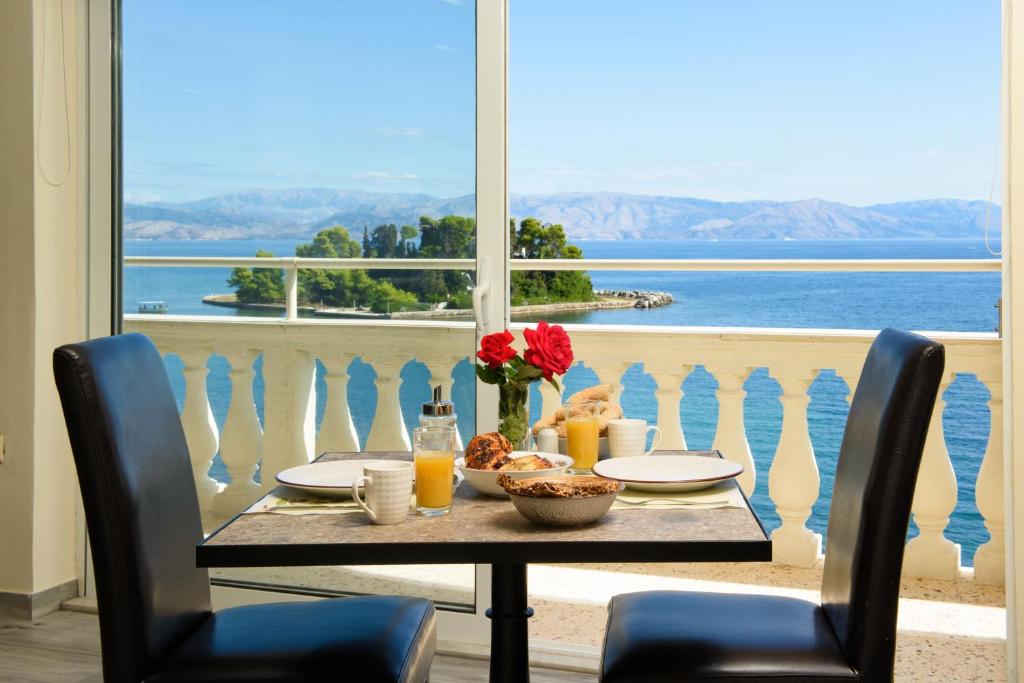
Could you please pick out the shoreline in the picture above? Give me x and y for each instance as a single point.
(606, 300)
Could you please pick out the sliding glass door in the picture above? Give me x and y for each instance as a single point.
(254, 132)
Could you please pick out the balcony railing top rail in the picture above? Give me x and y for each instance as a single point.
(720, 265)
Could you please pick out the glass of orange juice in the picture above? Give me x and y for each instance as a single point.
(581, 433)
(434, 457)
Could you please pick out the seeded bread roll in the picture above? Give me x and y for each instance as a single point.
(488, 451)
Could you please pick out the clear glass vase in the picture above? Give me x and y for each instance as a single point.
(513, 413)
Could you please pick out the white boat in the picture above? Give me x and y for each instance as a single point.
(152, 307)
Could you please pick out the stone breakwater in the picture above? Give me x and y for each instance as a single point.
(641, 298)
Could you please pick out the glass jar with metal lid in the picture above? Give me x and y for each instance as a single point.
(438, 412)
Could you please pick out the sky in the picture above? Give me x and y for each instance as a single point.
(859, 102)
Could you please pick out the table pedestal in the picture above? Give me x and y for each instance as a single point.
(510, 642)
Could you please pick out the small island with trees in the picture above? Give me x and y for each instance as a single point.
(423, 293)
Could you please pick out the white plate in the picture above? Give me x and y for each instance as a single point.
(668, 472)
(486, 481)
(332, 479)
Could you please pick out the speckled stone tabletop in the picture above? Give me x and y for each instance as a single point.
(484, 530)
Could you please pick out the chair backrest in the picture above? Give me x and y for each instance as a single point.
(872, 494)
(140, 500)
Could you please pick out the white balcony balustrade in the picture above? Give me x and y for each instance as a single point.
(794, 358)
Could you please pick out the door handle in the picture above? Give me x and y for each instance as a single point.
(482, 294)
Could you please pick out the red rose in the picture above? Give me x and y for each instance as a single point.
(549, 349)
(495, 349)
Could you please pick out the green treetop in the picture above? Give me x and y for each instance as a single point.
(384, 290)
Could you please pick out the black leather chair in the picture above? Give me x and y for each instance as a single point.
(143, 518)
(665, 636)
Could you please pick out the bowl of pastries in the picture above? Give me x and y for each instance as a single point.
(489, 455)
(602, 394)
(563, 500)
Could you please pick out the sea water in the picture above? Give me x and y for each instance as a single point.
(919, 301)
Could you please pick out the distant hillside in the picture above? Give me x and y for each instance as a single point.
(586, 215)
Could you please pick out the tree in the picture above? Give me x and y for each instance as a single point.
(330, 243)
(536, 240)
(260, 285)
(446, 237)
(326, 286)
(406, 248)
(384, 241)
(384, 297)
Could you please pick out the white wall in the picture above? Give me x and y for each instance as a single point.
(42, 282)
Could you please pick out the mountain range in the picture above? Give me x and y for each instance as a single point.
(300, 213)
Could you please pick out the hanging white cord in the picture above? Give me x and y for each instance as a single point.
(67, 112)
(1004, 96)
(991, 196)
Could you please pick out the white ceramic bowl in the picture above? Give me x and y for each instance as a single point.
(565, 511)
(486, 481)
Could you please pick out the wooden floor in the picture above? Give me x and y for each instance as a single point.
(64, 647)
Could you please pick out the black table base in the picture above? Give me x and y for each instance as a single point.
(510, 641)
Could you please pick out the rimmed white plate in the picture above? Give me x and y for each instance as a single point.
(676, 473)
(330, 479)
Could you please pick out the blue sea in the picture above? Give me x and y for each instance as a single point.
(919, 301)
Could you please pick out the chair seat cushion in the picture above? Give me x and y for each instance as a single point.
(367, 639)
(665, 636)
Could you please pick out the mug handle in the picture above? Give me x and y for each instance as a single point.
(459, 478)
(355, 496)
(657, 438)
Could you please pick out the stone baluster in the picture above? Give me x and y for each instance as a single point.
(851, 378)
(388, 431)
(930, 554)
(731, 431)
(990, 558)
(289, 430)
(337, 430)
(198, 424)
(441, 375)
(669, 394)
(241, 443)
(793, 481)
(611, 372)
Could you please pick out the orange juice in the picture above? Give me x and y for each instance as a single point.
(582, 433)
(434, 472)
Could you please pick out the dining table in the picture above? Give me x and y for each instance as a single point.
(487, 530)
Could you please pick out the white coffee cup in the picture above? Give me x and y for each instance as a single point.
(388, 491)
(628, 437)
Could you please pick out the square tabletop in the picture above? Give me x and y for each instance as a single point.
(485, 530)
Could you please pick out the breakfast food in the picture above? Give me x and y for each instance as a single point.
(601, 394)
(527, 463)
(488, 451)
(559, 487)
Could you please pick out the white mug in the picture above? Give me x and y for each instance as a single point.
(388, 491)
(628, 437)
